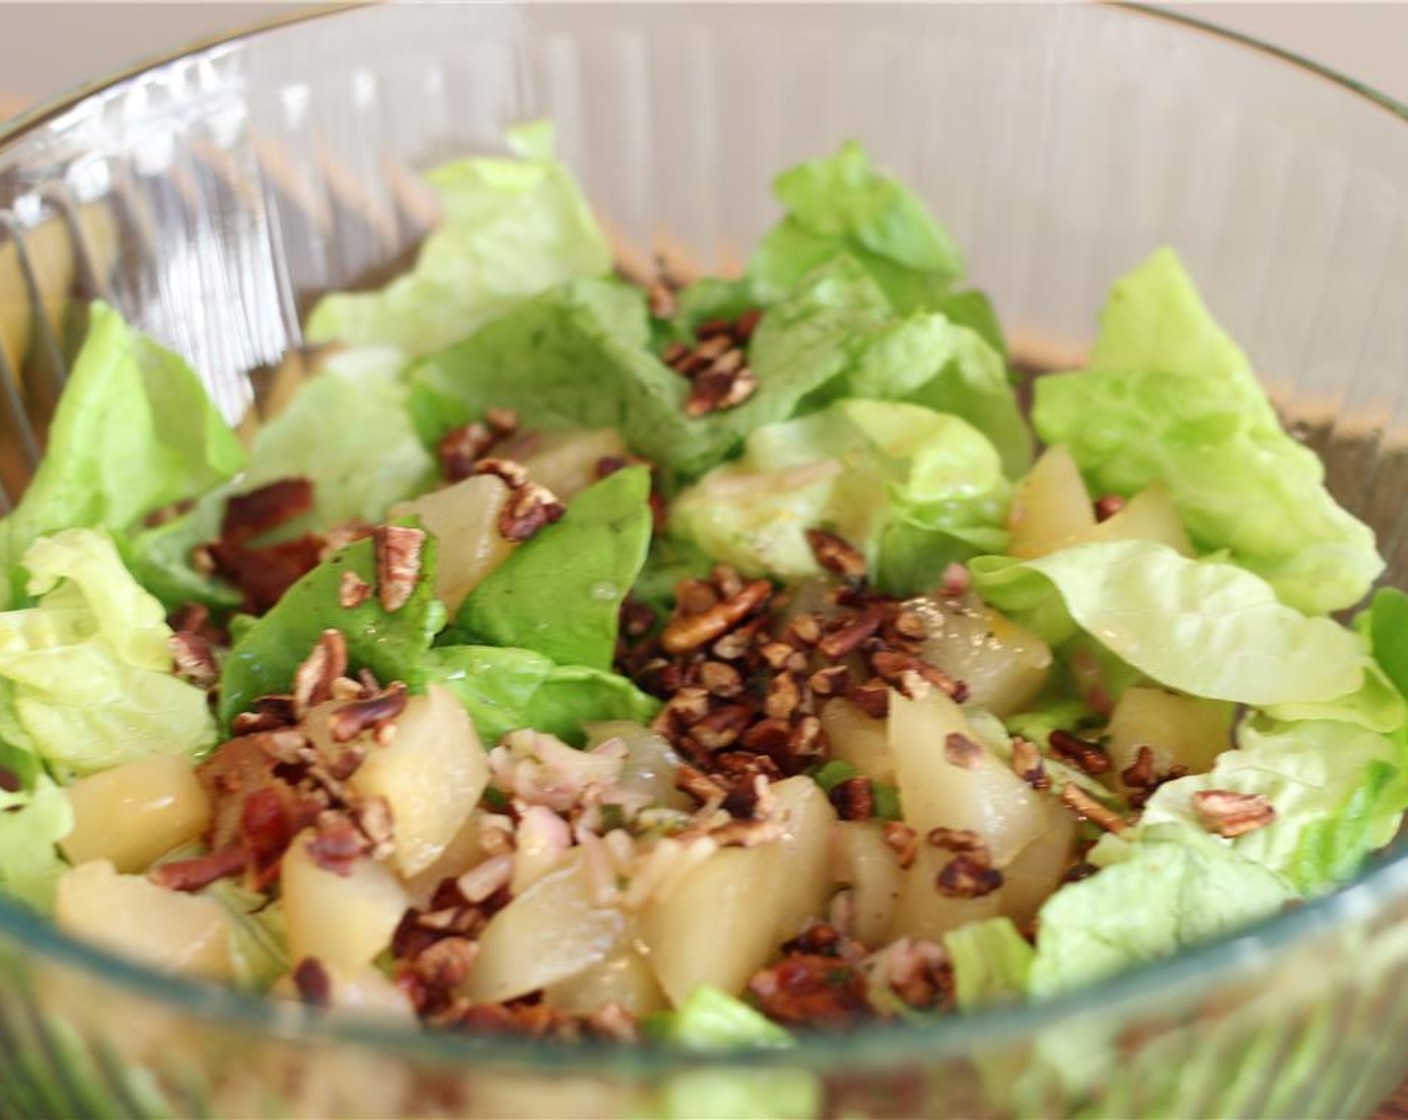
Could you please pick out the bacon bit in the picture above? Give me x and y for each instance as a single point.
(811, 990)
(956, 840)
(1082, 804)
(903, 841)
(264, 574)
(962, 751)
(836, 554)
(10, 781)
(313, 982)
(1027, 763)
(968, 875)
(689, 632)
(1142, 773)
(849, 636)
(194, 660)
(1230, 814)
(349, 720)
(353, 591)
(313, 679)
(747, 323)
(398, 554)
(872, 697)
(199, 871)
(529, 508)
(919, 972)
(1107, 506)
(337, 843)
(1080, 753)
(854, 799)
(251, 515)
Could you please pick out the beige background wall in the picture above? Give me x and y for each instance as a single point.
(46, 48)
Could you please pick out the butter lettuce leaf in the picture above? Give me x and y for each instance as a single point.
(841, 204)
(1168, 395)
(512, 227)
(992, 962)
(31, 824)
(504, 690)
(1176, 887)
(560, 592)
(1339, 793)
(134, 431)
(87, 670)
(944, 492)
(1199, 626)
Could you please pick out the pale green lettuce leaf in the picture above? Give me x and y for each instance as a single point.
(939, 477)
(257, 940)
(1339, 793)
(1202, 627)
(512, 227)
(134, 431)
(841, 204)
(1177, 887)
(88, 668)
(31, 824)
(991, 962)
(711, 1019)
(504, 690)
(1169, 396)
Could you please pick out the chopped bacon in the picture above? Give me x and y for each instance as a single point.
(199, 871)
(264, 574)
(251, 515)
(810, 990)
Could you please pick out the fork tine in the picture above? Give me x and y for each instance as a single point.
(45, 332)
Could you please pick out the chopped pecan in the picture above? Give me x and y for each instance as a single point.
(660, 297)
(836, 554)
(1079, 752)
(721, 727)
(1027, 763)
(968, 875)
(447, 962)
(903, 841)
(253, 514)
(613, 1022)
(312, 982)
(746, 324)
(721, 679)
(911, 625)
(193, 658)
(956, 581)
(698, 785)
(854, 799)
(398, 555)
(689, 632)
(514, 474)
(352, 591)
(872, 697)
(768, 736)
(460, 448)
(199, 871)
(637, 618)
(1143, 772)
(10, 781)
(956, 840)
(337, 842)
(962, 751)
(1107, 505)
(808, 738)
(529, 508)
(1081, 803)
(723, 385)
(351, 719)
(1232, 814)
(831, 681)
(848, 636)
(685, 708)
(373, 817)
(783, 696)
(313, 679)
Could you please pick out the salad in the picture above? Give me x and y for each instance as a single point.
(578, 656)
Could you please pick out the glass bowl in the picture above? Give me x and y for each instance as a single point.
(213, 195)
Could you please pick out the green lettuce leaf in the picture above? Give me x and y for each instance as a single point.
(711, 1019)
(511, 228)
(1176, 887)
(1169, 396)
(579, 360)
(87, 670)
(1202, 627)
(392, 644)
(257, 942)
(560, 592)
(1339, 793)
(134, 431)
(945, 493)
(841, 205)
(991, 962)
(1388, 634)
(31, 824)
(507, 689)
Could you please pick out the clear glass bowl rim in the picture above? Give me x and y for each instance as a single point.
(882, 1044)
